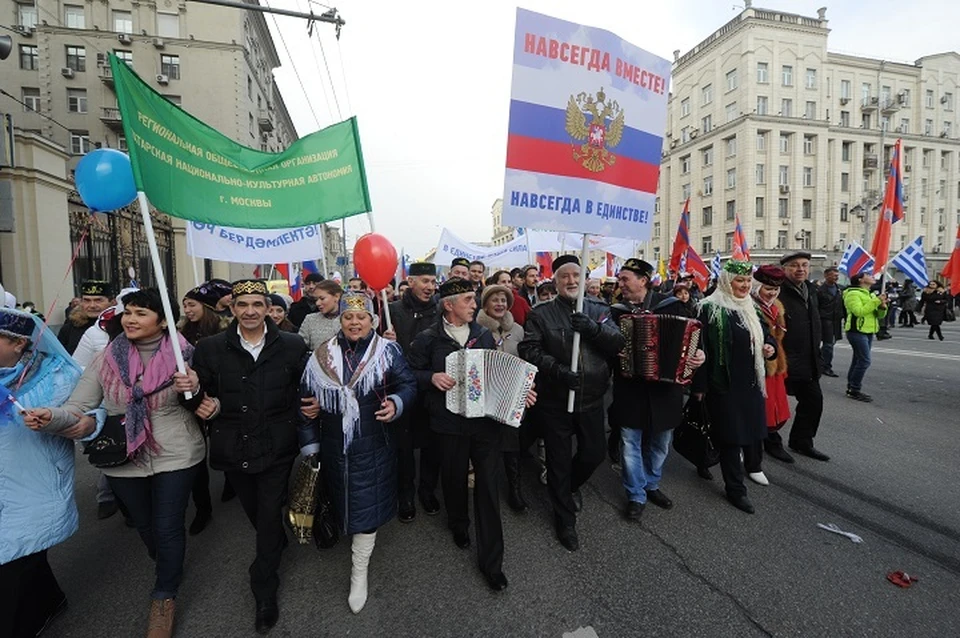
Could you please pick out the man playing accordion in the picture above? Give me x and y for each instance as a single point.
(645, 412)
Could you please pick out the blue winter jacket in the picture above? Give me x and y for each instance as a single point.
(362, 483)
(37, 508)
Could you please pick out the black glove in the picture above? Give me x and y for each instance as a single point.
(570, 378)
(585, 325)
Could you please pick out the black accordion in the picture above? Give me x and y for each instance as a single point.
(659, 347)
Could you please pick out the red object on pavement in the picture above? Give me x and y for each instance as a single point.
(901, 579)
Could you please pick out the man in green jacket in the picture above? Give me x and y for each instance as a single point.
(864, 312)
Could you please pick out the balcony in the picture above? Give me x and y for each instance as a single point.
(106, 75)
(264, 121)
(869, 104)
(110, 116)
(890, 105)
(870, 162)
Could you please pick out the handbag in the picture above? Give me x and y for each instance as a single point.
(326, 534)
(692, 439)
(109, 448)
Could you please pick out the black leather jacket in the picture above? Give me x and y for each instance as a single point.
(548, 344)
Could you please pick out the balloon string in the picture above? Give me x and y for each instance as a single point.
(46, 319)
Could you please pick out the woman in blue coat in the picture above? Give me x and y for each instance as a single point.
(362, 383)
(37, 508)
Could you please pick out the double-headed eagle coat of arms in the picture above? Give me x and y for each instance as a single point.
(598, 123)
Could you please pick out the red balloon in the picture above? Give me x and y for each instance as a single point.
(376, 260)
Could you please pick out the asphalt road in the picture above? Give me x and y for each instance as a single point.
(700, 569)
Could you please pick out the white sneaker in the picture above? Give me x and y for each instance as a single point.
(759, 478)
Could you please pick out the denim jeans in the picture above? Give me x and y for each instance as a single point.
(642, 461)
(158, 506)
(861, 344)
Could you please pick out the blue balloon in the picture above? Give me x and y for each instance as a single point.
(104, 179)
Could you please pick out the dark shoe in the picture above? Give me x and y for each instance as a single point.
(496, 582)
(267, 616)
(777, 452)
(742, 503)
(407, 510)
(856, 395)
(658, 498)
(930, 337)
(430, 504)
(830, 373)
(57, 610)
(634, 511)
(810, 451)
(704, 473)
(511, 463)
(228, 493)
(577, 500)
(568, 538)
(462, 539)
(200, 522)
(107, 509)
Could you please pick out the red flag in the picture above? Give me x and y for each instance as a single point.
(611, 265)
(682, 242)
(283, 270)
(891, 213)
(741, 249)
(952, 270)
(545, 262)
(699, 270)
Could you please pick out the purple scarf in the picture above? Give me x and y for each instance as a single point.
(127, 382)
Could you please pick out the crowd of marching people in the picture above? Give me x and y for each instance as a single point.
(328, 379)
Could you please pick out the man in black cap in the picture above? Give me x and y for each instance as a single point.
(460, 269)
(548, 344)
(416, 311)
(95, 297)
(644, 413)
(250, 374)
(463, 440)
(307, 304)
(830, 301)
(804, 360)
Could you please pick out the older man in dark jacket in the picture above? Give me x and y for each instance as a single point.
(548, 344)
(804, 360)
(830, 302)
(412, 314)
(251, 376)
(463, 440)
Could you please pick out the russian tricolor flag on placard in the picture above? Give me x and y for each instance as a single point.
(587, 120)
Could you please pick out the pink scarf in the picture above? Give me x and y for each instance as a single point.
(127, 381)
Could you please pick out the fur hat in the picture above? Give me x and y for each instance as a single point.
(489, 291)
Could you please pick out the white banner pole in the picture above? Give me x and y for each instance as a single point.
(575, 360)
(162, 285)
(323, 250)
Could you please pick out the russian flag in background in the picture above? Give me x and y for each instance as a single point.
(741, 250)
(682, 241)
(545, 262)
(296, 282)
(310, 268)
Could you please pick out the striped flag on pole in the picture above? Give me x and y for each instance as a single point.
(911, 262)
(716, 265)
(855, 260)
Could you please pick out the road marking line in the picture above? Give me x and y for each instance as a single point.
(909, 353)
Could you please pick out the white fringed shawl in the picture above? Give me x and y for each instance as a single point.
(324, 376)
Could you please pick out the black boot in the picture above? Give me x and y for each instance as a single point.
(511, 461)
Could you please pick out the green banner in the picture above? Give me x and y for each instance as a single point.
(191, 171)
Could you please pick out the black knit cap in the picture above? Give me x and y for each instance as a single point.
(455, 286)
(563, 260)
(420, 268)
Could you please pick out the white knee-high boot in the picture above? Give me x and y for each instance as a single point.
(362, 549)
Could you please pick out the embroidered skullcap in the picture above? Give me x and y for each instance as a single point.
(353, 301)
(15, 324)
(96, 288)
(250, 287)
(460, 261)
(455, 286)
(207, 293)
(638, 266)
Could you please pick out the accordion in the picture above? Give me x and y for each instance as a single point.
(659, 347)
(490, 383)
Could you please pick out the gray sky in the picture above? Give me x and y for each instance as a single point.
(430, 84)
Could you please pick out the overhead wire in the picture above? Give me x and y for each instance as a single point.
(296, 72)
(330, 77)
(317, 62)
(32, 110)
(343, 72)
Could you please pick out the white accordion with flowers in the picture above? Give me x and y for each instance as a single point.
(490, 383)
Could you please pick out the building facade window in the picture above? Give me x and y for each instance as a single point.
(761, 174)
(787, 75)
(707, 94)
(731, 210)
(865, 89)
(846, 92)
(809, 145)
(708, 216)
(762, 72)
(122, 21)
(31, 99)
(732, 81)
(77, 100)
(904, 125)
(685, 164)
(27, 15)
(810, 110)
(781, 239)
(758, 240)
(845, 118)
(784, 176)
(685, 192)
(76, 58)
(73, 17)
(811, 78)
(728, 242)
(844, 212)
(685, 107)
(928, 99)
(170, 66)
(29, 57)
(125, 57)
(808, 209)
(844, 182)
(79, 142)
(731, 146)
(783, 210)
(707, 123)
(731, 178)
(732, 112)
(784, 143)
(762, 104)
(708, 185)
(761, 141)
(706, 245)
(168, 25)
(708, 156)
(947, 101)
(786, 107)
(759, 208)
(845, 150)
(905, 98)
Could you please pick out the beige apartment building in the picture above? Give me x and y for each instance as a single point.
(215, 62)
(765, 122)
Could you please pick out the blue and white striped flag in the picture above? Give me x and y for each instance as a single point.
(715, 264)
(911, 262)
(855, 260)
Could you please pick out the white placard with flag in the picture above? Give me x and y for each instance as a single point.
(911, 262)
(588, 113)
(508, 255)
(247, 246)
